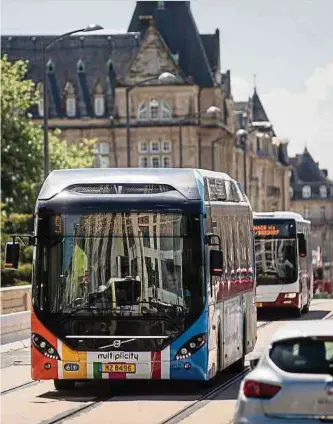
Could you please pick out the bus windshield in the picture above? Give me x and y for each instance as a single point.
(276, 261)
(131, 263)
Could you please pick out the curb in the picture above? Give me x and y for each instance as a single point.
(9, 347)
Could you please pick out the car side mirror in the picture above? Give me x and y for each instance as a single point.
(12, 255)
(216, 263)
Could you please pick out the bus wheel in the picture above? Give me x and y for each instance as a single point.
(64, 384)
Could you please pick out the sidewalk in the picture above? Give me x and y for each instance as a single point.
(21, 344)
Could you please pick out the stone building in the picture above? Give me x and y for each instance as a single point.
(311, 195)
(261, 156)
(185, 122)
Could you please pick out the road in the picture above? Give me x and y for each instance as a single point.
(139, 403)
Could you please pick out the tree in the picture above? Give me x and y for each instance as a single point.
(22, 141)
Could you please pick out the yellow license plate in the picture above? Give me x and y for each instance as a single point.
(121, 368)
(259, 305)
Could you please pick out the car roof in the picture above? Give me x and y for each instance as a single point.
(306, 328)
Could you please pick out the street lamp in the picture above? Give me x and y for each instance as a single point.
(242, 135)
(89, 28)
(164, 78)
(212, 110)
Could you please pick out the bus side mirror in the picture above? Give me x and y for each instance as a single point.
(12, 254)
(302, 245)
(216, 263)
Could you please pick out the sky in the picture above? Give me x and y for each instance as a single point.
(287, 44)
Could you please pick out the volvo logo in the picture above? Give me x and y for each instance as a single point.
(329, 388)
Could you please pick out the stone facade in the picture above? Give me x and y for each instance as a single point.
(190, 122)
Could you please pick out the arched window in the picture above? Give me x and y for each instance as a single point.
(142, 112)
(166, 110)
(323, 191)
(154, 109)
(306, 192)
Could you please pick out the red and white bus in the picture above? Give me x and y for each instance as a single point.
(283, 257)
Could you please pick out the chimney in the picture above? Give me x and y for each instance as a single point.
(325, 172)
(146, 20)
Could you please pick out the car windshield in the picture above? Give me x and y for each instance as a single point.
(276, 261)
(304, 356)
(130, 263)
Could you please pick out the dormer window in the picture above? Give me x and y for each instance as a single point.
(323, 191)
(50, 67)
(99, 104)
(80, 66)
(306, 192)
(70, 107)
(70, 100)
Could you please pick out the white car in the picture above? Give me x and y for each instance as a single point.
(293, 380)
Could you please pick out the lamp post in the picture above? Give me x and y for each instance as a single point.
(212, 110)
(89, 28)
(164, 78)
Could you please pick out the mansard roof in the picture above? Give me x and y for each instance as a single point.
(79, 60)
(306, 172)
(177, 26)
(258, 111)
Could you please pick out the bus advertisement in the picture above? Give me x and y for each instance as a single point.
(140, 274)
(283, 261)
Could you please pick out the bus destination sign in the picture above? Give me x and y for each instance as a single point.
(273, 229)
(266, 230)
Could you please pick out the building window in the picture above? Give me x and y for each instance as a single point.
(103, 148)
(143, 147)
(154, 146)
(323, 191)
(142, 112)
(166, 146)
(166, 110)
(306, 192)
(104, 161)
(166, 161)
(99, 105)
(306, 212)
(323, 212)
(154, 109)
(155, 162)
(291, 192)
(143, 162)
(70, 106)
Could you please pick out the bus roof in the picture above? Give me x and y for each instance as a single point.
(182, 179)
(280, 215)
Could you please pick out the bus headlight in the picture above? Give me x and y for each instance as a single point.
(191, 346)
(44, 347)
(290, 295)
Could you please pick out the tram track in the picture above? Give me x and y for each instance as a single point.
(18, 387)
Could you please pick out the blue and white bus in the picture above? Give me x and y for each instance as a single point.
(283, 260)
(141, 274)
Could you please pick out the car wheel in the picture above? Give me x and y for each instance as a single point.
(64, 384)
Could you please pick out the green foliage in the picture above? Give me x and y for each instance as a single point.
(13, 277)
(22, 141)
